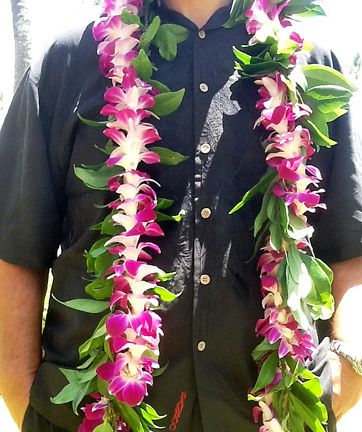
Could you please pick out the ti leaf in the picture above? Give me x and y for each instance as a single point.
(237, 14)
(143, 65)
(167, 103)
(306, 415)
(104, 427)
(319, 138)
(100, 289)
(169, 157)
(129, 18)
(96, 178)
(92, 123)
(260, 187)
(164, 203)
(162, 217)
(263, 348)
(130, 417)
(267, 372)
(167, 38)
(85, 305)
(148, 36)
(317, 75)
(165, 295)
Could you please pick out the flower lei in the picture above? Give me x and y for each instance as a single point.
(296, 103)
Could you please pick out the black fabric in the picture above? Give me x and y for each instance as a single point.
(34, 422)
(45, 205)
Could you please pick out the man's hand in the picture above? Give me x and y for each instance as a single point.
(347, 385)
(21, 305)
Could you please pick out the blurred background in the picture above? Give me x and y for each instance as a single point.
(28, 26)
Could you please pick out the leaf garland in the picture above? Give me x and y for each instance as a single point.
(296, 104)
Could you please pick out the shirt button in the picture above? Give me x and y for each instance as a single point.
(205, 148)
(205, 279)
(201, 346)
(205, 213)
(204, 88)
(202, 34)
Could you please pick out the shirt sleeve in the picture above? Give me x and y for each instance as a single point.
(30, 217)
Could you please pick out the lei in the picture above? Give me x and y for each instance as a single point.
(296, 104)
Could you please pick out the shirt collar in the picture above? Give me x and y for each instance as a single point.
(217, 20)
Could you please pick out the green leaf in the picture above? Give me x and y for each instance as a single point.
(323, 92)
(167, 38)
(237, 14)
(167, 103)
(104, 427)
(95, 341)
(260, 187)
(169, 157)
(283, 214)
(152, 412)
(242, 56)
(276, 237)
(319, 138)
(164, 203)
(88, 362)
(303, 9)
(306, 414)
(297, 76)
(286, 46)
(263, 348)
(143, 65)
(98, 248)
(130, 417)
(264, 68)
(162, 217)
(161, 370)
(102, 386)
(92, 122)
(97, 179)
(109, 228)
(129, 18)
(100, 289)
(267, 372)
(67, 394)
(309, 399)
(148, 36)
(164, 277)
(165, 295)
(319, 300)
(262, 216)
(85, 305)
(160, 86)
(82, 393)
(103, 263)
(317, 75)
(272, 208)
(327, 270)
(298, 229)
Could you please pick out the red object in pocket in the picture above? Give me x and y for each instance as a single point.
(178, 411)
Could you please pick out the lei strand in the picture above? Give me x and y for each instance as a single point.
(296, 103)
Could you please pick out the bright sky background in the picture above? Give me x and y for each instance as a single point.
(342, 30)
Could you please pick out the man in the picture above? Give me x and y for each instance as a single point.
(209, 331)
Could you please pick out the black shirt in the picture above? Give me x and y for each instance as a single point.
(209, 330)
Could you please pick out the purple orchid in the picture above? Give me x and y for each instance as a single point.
(127, 379)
